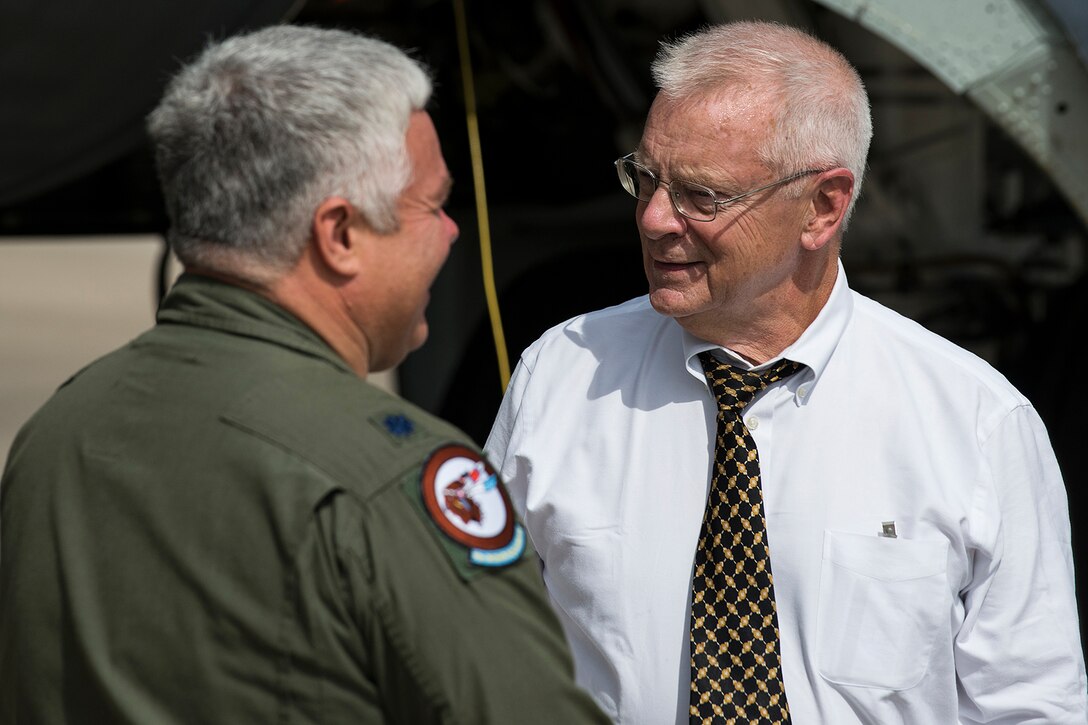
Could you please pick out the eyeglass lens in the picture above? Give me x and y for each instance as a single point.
(690, 199)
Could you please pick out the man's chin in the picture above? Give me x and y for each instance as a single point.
(419, 336)
(671, 303)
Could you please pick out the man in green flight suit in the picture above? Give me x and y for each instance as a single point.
(222, 521)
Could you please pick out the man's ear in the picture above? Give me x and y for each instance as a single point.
(336, 235)
(829, 203)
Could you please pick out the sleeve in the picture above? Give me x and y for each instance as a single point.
(1019, 657)
(449, 642)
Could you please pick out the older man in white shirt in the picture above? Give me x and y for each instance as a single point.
(916, 518)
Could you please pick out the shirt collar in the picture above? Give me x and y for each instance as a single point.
(205, 302)
(813, 348)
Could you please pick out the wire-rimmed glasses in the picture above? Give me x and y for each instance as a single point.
(694, 201)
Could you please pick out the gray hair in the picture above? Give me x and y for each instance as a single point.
(822, 108)
(256, 132)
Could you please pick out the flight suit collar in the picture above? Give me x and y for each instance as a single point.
(205, 302)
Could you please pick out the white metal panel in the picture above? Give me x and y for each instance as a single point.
(1008, 56)
(1042, 101)
(959, 41)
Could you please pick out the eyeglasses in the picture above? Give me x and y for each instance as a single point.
(694, 201)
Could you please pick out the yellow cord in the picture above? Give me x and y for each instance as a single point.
(481, 196)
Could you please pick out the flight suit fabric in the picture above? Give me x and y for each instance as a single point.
(220, 522)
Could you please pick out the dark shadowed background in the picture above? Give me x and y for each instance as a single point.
(973, 219)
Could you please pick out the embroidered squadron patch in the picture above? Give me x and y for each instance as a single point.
(463, 496)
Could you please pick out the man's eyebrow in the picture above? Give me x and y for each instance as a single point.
(694, 175)
(445, 190)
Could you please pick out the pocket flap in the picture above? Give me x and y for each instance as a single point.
(884, 558)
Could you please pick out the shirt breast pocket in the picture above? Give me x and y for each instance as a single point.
(882, 604)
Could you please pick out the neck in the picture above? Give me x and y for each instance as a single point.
(759, 329)
(321, 306)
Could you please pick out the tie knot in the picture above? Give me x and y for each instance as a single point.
(733, 387)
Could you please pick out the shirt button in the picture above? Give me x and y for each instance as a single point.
(753, 422)
(608, 705)
(802, 392)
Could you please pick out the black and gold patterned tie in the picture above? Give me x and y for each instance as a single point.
(736, 666)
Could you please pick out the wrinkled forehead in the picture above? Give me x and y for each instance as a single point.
(725, 106)
(730, 123)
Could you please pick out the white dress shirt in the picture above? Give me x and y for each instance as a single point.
(605, 438)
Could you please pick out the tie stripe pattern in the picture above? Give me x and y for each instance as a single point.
(736, 672)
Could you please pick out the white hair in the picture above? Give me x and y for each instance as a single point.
(822, 109)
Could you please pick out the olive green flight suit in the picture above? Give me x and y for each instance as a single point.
(221, 523)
